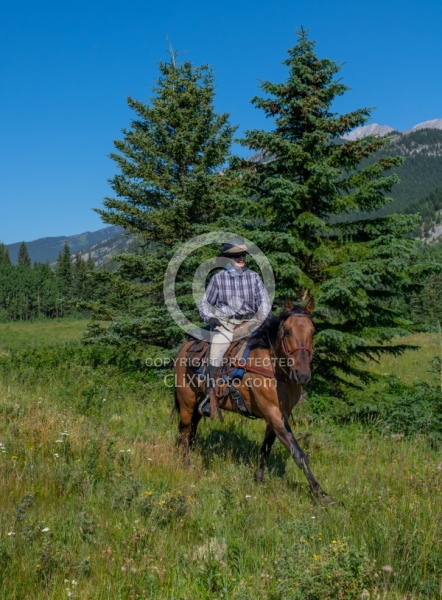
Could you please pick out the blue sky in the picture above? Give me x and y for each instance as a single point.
(67, 69)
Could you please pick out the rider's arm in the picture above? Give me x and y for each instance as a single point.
(208, 302)
(263, 305)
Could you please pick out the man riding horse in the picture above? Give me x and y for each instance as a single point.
(277, 367)
(234, 305)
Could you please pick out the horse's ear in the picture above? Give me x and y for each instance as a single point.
(288, 305)
(310, 306)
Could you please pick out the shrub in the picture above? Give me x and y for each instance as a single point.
(393, 408)
(336, 571)
(402, 409)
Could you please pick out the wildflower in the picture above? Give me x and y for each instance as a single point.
(248, 496)
(45, 529)
(149, 459)
(56, 455)
(387, 569)
(58, 441)
(11, 533)
(313, 517)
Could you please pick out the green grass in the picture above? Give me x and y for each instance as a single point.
(25, 334)
(413, 365)
(89, 454)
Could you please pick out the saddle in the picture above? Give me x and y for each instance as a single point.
(232, 369)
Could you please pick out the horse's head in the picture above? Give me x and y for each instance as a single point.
(295, 336)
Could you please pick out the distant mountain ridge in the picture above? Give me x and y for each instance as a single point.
(382, 130)
(47, 249)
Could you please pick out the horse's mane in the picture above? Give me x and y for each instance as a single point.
(266, 335)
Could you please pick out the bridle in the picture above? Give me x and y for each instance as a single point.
(289, 353)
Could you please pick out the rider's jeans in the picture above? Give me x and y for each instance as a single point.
(223, 335)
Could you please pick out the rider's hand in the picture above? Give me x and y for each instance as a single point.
(214, 322)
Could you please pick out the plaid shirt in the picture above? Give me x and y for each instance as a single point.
(235, 294)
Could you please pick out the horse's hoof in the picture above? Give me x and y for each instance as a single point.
(326, 500)
(259, 476)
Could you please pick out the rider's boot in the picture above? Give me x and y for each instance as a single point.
(208, 406)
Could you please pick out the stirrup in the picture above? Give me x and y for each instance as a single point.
(204, 407)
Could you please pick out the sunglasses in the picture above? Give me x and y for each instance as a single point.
(238, 255)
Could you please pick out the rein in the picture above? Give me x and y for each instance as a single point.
(267, 373)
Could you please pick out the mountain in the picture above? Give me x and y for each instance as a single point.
(47, 249)
(420, 187)
(103, 251)
(373, 129)
(433, 124)
(382, 130)
(420, 175)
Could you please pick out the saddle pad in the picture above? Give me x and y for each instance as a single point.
(238, 372)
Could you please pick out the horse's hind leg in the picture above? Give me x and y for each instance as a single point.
(264, 452)
(186, 432)
(189, 419)
(196, 418)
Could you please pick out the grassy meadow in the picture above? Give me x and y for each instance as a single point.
(96, 505)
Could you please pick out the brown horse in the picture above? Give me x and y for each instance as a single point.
(277, 368)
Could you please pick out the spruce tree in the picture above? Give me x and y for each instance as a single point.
(24, 260)
(304, 186)
(167, 190)
(64, 275)
(79, 277)
(4, 255)
(44, 291)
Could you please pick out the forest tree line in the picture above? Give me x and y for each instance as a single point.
(33, 291)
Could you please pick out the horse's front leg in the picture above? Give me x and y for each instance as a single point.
(264, 452)
(282, 430)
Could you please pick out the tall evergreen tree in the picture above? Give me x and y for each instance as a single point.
(167, 190)
(4, 255)
(303, 186)
(64, 275)
(24, 260)
(79, 277)
(44, 291)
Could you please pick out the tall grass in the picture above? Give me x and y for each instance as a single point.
(95, 503)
